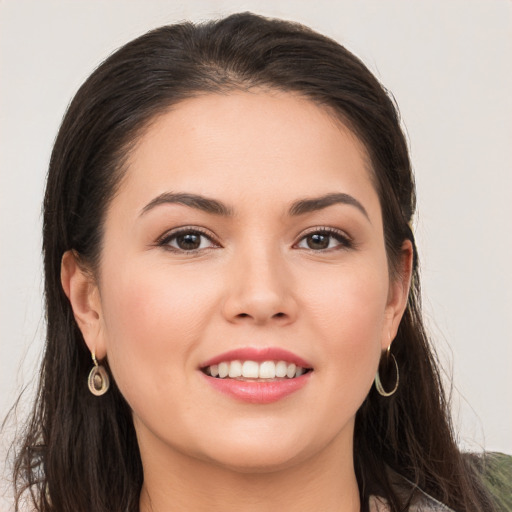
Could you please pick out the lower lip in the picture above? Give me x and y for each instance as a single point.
(258, 392)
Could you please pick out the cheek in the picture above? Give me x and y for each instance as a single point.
(350, 303)
(348, 313)
(153, 319)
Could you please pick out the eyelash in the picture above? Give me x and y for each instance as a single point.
(166, 239)
(344, 242)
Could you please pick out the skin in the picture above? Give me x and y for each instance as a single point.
(159, 312)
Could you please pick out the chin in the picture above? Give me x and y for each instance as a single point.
(263, 454)
(258, 462)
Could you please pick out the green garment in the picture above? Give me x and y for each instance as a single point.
(497, 474)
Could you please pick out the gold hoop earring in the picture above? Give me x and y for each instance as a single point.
(98, 380)
(378, 383)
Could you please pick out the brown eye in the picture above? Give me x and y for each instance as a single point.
(188, 240)
(318, 241)
(323, 240)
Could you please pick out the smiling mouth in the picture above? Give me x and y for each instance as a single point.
(263, 371)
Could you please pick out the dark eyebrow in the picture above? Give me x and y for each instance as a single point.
(193, 200)
(318, 203)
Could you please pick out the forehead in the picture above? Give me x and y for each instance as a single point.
(254, 145)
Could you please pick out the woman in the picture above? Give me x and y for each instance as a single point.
(229, 267)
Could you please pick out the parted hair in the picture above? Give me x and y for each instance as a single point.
(79, 452)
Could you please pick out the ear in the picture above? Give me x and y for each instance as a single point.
(398, 295)
(82, 291)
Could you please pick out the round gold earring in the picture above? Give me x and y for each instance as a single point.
(378, 383)
(98, 380)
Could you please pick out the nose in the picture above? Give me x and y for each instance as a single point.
(260, 289)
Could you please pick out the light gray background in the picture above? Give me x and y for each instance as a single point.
(449, 65)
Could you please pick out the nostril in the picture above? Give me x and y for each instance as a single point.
(277, 315)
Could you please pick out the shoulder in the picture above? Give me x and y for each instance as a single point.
(422, 503)
(496, 471)
(417, 500)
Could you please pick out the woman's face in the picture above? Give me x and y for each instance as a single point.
(246, 236)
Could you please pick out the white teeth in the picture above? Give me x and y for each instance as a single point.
(235, 369)
(253, 370)
(223, 370)
(267, 370)
(250, 369)
(290, 372)
(281, 369)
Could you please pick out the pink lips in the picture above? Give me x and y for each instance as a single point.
(259, 355)
(258, 392)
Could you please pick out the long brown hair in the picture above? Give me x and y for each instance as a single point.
(80, 452)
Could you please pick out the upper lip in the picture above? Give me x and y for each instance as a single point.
(259, 355)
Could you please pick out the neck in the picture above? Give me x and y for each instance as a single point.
(324, 482)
